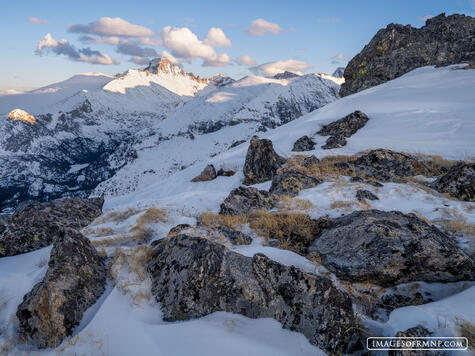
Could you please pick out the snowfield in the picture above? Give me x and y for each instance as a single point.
(429, 110)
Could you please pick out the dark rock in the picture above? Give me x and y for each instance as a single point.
(334, 142)
(242, 200)
(177, 229)
(389, 248)
(209, 173)
(345, 127)
(261, 161)
(338, 73)
(397, 49)
(225, 173)
(292, 182)
(304, 143)
(286, 75)
(363, 194)
(236, 143)
(4, 220)
(75, 279)
(458, 182)
(193, 277)
(35, 225)
(310, 161)
(234, 236)
(418, 331)
(388, 165)
(367, 181)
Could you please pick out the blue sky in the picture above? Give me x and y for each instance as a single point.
(298, 35)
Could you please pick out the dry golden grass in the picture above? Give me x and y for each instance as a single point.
(104, 231)
(466, 329)
(288, 203)
(347, 205)
(325, 168)
(139, 236)
(454, 222)
(230, 221)
(117, 216)
(151, 216)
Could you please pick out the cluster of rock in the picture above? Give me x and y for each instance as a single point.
(459, 181)
(210, 173)
(397, 49)
(342, 128)
(35, 225)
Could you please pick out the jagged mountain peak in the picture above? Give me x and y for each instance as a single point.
(286, 75)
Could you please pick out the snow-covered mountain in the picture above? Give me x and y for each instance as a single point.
(98, 123)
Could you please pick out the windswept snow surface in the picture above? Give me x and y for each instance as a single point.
(429, 110)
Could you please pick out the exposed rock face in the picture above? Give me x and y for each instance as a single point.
(397, 49)
(209, 173)
(338, 73)
(346, 126)
(292, 182)
(261, 162)
(75, 279)
(387, 165)
(389, 248)
(35, 225)
(286, 75)
(234, 236)
(225, 173)
(304, 143)
(242, 200)
(364, 194)
(310, 161)
(334, 142)
(193, 277)
(458, 182)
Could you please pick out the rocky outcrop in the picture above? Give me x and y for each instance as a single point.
(261, 162)
(234, 236)
(459, 181)
(310, 161)
(389, 248)
(193, 277)
(209, 173)
(35, 225)
(75, 279)
(334, 142)
(363, 194)
(386, 165)
(225, 173)
(242, 200)
(291, 182)
(286, 75)
(344, 127)
(304, 143)
(397, 49)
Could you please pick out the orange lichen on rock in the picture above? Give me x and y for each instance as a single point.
(21, 115)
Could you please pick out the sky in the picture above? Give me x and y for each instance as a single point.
(49, 41)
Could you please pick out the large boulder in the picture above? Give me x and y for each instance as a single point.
(75, 279)
(397, 49)
(261, 162)
(242, 200)
(193, 277)
(346, 126)
(35, 225)
(459, 181)
(208, 173)
(389, 248)
(291, 182)
(304, 143)
(386, 165)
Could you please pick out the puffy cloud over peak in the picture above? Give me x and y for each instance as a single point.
(108, 26)
(62, 47)
(217, 38)
(261, 27)
(272, 68)
(218, 60)
(246, 60)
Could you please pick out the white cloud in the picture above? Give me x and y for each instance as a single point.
(218, 60)
(37, 20)
(272, 68)
(150, 41)
(217, 38)
(184, 44)
(261, 27)
(108, 26)
(63, 47)
(139, 60)
(246, 61)
(339, 58)
(133, 49)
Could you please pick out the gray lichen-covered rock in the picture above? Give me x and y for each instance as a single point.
(389, 248)
(304, 143)
(334, 142)
(292, 182)
(75, 279)
(209, 173)
(310, 161)
(417, 331)
(345, 127)
(364, 194)
(397, 49)
(234, 236)
(193, 277)
(385, 165)
(242, 200)
(459, 181)
(35, 225)
(261, 162)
